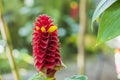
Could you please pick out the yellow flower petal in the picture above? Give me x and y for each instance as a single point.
(52, 28)
(37, 28)
(43, 29)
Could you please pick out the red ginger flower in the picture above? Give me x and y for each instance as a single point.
(46, 46)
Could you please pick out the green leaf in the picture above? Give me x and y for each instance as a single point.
(102, 6)
(38, 76)
(77, 77)
(49, 79)
(109, 24)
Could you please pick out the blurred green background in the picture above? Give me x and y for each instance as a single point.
(20, 16)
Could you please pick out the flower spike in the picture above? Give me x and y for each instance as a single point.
(46, 46)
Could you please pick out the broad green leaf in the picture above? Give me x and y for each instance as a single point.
(77, 77)
(40, 76)
(102, 6)
(109, 24)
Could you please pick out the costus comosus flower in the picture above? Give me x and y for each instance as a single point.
(46, 46)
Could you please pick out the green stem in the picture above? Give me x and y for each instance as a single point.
(81, 37)
(0, 77)
(6, 37)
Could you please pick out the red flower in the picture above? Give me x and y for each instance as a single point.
(46, 46)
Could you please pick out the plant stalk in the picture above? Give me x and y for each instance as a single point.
(0, 77)
(6, 37)
(81, 36)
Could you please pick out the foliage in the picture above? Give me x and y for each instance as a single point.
(37, 76)
(23, 61)
(40, 76)
(77, 77)
(110, 21)
(102, 6)
(4, 67)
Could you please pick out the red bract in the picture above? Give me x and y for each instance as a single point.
(46, 46)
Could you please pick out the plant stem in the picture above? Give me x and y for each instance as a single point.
(81, 35)
(6, 37)
(0, 77)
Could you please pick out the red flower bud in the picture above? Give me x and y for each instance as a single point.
(46, 46)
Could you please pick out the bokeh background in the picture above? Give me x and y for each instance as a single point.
(20, 16)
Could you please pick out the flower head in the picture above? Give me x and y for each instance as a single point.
(46, 46)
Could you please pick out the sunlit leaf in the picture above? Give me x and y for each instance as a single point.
(77, 77)
(109, 24)
(102, 6)
(38, 76)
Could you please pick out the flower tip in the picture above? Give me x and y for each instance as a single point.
(52, 28)
(43, 29)
(37, 28)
